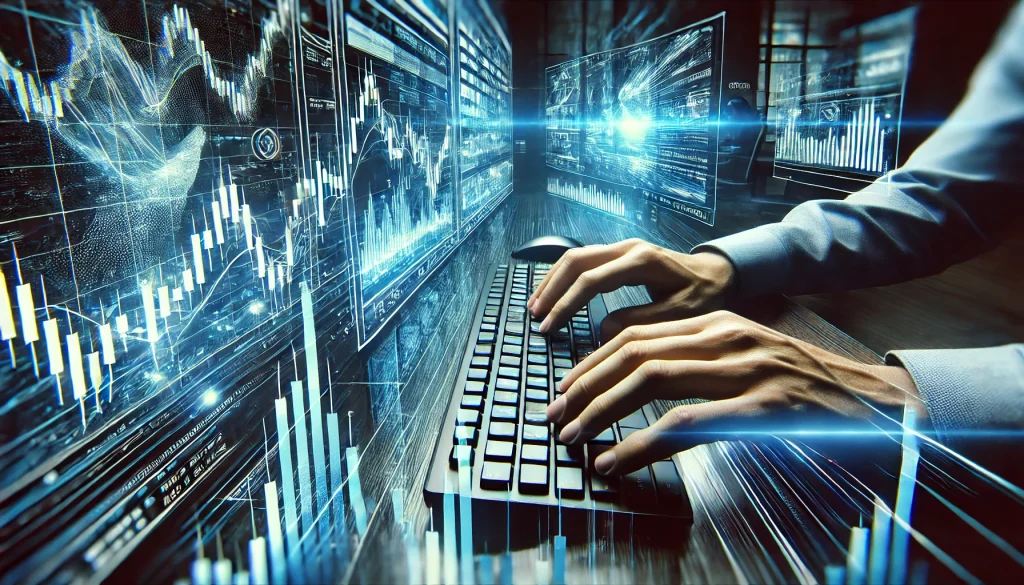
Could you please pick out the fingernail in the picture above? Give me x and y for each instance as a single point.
(545, 324)
(562, 385)
(604, 462)
(570, 432)
(529, 303)
(555, 410)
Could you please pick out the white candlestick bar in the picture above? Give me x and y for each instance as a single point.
(27, 312)
(218, 227)
(258, 555)
(149, 308)
(313, 385)
(278, 563)
(207, 240)
(271, 278)
(189, 282)
(284, 449)
(95, 372)
(202, 572)
(107, 344)
(7, 329)
(433, 576)
(121, 321)
(164, 301)
(197, 260)
(222, 572)
(233, 196)
(302, 455)
(176, 295)
(54, 353)
(289, 255)
(78, 386)
(247, 224)
(857, 556)
(261, 263)
(225, 210)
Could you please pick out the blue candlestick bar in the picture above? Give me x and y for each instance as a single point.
(337, 481)
(466, 513)
(835, 575)
(355, 491)
(278, 562)
(302, 456)
(451, 556)
(904, 500)
(313, 384)
(857, 556)
(558, 576)
(284, 448)
(881, 529)
(258, 559)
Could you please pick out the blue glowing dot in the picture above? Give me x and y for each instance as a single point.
(210, 397)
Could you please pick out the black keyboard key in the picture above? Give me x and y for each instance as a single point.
(569, 482)
(634, 420)
(476, 387)
(491, 311)
(510, 361)
(486, 337)
(473, 401)
(485, 350)
(533, 479)
(467, 418)
(569, 455)
(496, 476)
(560, 362)
(453, 459)
(500, 451)
(514, 328)
(506, 372)
(490, 320)
(512, 349)
(671, 491)
(540, 359)
(488, 327)
(560, 352)
(502, 431)
(535, 433)
(506, 397)
(535, 327)
(481, 361)
(537, 371)
(625, 432)
(537, 382)
(502, 412)
(507, 384)
(638, 490)
(513, 340)
(561, 373)
(607, 437)
(538, 342)
(603, 488)
(476, 374)
(535, 395)
(465, 436)
(535, 413)
(534, 454)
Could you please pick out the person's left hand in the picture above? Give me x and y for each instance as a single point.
(756, 381)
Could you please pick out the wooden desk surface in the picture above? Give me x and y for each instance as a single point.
(775, 510)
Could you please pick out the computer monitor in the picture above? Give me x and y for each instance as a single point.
(839, 128)
(426, 162)
(639, 123)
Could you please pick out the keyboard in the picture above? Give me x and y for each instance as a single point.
(495, 425)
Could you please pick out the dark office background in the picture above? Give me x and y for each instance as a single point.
(971, 304)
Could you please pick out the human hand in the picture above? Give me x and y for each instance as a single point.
(756, 380)
(680, 285)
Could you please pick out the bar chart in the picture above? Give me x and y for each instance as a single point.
(589, 194)
(855, 135)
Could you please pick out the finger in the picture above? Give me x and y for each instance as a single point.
(567, 270)
(624, 270)
(669, 329)
(680, 429)
(631, 357)
(670, 309)
(679, 379)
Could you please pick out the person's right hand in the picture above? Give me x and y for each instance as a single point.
(680, 285)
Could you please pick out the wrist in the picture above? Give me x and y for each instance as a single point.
(717, 273)
(899, 380)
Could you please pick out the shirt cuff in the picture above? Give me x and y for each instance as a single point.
(968, 389)
(761, 260)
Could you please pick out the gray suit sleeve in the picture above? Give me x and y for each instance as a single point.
(966, 389)
(957, 195)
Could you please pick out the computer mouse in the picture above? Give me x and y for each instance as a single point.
(547, 249)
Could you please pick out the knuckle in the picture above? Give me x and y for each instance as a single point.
(651, 371)
(679, 417)
(585, 280)
(633, 351)
(570, 257)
